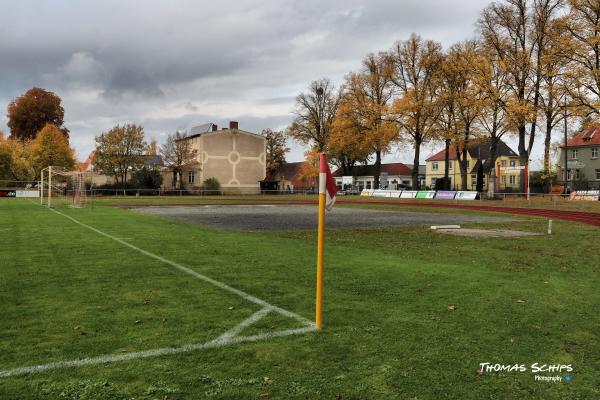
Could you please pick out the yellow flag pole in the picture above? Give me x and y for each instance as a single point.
(320, 246)
(320, 260)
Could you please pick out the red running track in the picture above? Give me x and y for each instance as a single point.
(577, 216)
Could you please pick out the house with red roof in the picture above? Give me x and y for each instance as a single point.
(392, 176)
(288, 178)
(583, 162)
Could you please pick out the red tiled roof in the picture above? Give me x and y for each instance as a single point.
(396, 169)
(289, 171)
(587, 137)
(441, 155)
(85, 165)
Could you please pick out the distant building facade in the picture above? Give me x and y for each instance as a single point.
(236, 158)
(392, 176)
(583, 161)
(478, 154)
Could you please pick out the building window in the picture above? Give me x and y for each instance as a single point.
(574, 154)
(450, 165)
(598, 174)
(513, 163)
(503, 163)
(433, 182)
(191, 177)
(576, 174)
(513, 179)
(434, 166)
(368, 184)
(468, 163)
(473, 180)
(504, 179)
(594, 152)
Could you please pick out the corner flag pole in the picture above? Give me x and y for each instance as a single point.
(327, 191)
(321, 241)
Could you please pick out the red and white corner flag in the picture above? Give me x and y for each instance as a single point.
(326, 182)
(327, 191)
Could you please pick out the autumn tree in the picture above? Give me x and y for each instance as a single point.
(582, 23)
(29, 113)
(495, 92)
(50, 148)
(15, 162)
(309, 172)
(276, 148)
(416, 64)
(345, 147)
(314, 114)
(364, 110)
(557, 88)
(177, 153)
(119, 151)
(459, 74)
(516, 30)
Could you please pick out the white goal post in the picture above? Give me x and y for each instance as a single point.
(60, 187)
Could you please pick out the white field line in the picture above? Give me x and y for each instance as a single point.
(152, 353)
(257, 316)
(189, 271)
(228, 338)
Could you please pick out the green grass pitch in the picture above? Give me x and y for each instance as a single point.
(409, 313)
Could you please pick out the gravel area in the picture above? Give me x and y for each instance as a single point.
(257, 218)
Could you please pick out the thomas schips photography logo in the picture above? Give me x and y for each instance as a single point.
(541, 372)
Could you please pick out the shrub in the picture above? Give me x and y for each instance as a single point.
(146, 178)
(212, 184)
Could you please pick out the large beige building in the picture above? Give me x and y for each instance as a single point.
(236, 158)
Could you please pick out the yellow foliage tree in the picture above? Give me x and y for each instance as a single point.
(309, 172)
(15, 163)
(517, 31)
(461, 99)
(583, 50)
(50, 148)
(345, 145)
(363, 117)
(416, 65)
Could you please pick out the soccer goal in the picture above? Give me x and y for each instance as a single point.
(60, 187)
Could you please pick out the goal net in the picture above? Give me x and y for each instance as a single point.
(63, 188)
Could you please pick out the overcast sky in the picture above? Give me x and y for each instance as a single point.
(170, 65)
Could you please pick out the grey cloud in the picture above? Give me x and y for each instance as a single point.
(169, 65)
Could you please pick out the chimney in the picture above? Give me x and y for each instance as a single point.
(214, 127)
(233, 125)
